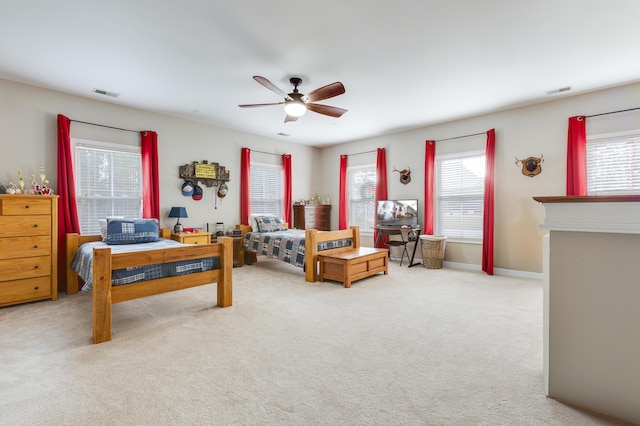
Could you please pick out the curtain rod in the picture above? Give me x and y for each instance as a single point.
(460, 137)
(359, 153)
(264, 152)
(102, 125)
(611, 112)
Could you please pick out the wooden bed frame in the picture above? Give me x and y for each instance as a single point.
(311, 240)
(104, 295)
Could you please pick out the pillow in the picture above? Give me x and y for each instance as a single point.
(254, 224)
(270, 224)
(103, 225)
(132, 231)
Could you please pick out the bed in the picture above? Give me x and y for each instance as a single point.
(298, 247)
(107, 261)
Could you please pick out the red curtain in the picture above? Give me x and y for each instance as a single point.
(67, 208)
(487, 223)
(577, 156)
(381, 187)
(343, 202)
(245, 180)
(429, 186)
(150, 175)
(286, 199)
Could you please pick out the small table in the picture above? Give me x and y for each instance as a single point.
(352, 265)
(238, 260)
(412, 236)
(192, 238)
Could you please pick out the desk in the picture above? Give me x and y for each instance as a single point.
(413, 235)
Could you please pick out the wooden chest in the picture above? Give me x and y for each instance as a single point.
(28, 248)
(349, 266)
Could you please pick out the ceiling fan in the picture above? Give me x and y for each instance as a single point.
(296, 103)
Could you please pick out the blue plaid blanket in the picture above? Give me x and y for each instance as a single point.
(82, 263)
(287, 246)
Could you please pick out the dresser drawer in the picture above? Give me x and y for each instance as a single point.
(16, 247)
(26, 267)
(16, 226)
(23, 206)
(24, 290)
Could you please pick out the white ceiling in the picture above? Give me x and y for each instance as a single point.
(404, 63)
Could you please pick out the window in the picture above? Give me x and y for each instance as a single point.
(613, 164)
(459, 202)
(108, 182)
(362, 192)
(266, 189)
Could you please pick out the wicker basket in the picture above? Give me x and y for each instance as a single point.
(432, 251)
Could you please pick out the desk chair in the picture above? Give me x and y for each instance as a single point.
(397, 243)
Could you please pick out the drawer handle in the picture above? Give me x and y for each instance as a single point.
(36, 288)
(26, 207)
(36, 266)
(35, 225)
(35, 247)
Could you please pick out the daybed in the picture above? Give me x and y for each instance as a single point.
(108, 260)
(299, 247)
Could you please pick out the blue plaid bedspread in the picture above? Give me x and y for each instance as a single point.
(287, 246)
(82, 263)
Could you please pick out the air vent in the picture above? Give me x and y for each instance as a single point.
(106, 93)
(560, 90)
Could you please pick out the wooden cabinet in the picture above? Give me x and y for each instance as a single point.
(28, 248)
(194, 238)
(312, 216)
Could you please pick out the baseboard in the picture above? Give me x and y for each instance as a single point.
(496, 271)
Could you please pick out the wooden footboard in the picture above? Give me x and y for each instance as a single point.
(312, 238)
(104, 262)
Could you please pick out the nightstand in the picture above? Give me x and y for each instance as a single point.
(194, 238)
(238, 260)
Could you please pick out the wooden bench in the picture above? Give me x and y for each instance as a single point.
(349, 266)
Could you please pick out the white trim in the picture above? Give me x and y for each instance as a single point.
(496, 271)
(592, 217)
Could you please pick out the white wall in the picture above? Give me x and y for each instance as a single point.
(28, 132)
(520, 132)
(28, 125)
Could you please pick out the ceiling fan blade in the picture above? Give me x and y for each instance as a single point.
(289, 118)
(326, 92)
(269, 85)
(259, 105)
(326, 109)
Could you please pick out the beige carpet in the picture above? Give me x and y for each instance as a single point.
(419, 346)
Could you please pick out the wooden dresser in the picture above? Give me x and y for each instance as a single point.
(28, 248)
(312, 216)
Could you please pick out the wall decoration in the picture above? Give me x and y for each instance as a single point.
(210, 174)
(405, 175)
(531, 165)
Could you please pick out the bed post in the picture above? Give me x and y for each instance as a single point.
(71, 247)
(101, 295)
(225, 283)
(311, 255)
(356, 236)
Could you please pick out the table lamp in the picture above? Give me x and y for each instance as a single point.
(178, 212)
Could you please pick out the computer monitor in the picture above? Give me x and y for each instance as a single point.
(397, 213)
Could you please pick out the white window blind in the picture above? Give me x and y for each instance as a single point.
(613, 164)
(459, 199)
(362, 192)
(266, 189)
(108, 183)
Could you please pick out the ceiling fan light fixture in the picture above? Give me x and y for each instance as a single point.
(295, 108)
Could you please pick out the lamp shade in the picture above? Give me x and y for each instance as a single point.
(178, 212)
